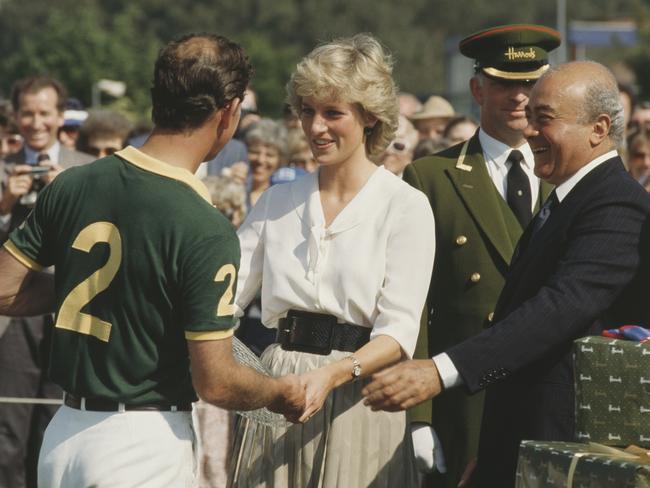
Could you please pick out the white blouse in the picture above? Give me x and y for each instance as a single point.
(371, 267)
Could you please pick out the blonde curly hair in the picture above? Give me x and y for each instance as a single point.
(355, 70)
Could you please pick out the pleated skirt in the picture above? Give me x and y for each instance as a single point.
(344, 444)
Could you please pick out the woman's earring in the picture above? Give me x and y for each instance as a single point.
(367, 131)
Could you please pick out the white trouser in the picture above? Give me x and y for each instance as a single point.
(118, 449)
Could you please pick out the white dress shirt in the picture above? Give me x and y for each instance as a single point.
(496, 153)
(448, 373)
(371, 266)
(563, 189)
(31, 156)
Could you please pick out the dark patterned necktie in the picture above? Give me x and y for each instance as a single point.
(518, 193)
(544, 213)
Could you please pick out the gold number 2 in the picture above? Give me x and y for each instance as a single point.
(225, 307)
(70, 316)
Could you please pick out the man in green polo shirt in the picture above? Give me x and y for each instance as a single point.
(145, 274)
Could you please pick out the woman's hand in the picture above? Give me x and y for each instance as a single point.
(318, 384)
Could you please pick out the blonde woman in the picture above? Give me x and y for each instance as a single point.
(343, 257)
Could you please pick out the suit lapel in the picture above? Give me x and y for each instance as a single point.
(472, 182)
(69, 158)
(545, 190)
(528, 248)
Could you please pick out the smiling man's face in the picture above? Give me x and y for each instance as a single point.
(39, 118)
(502, 105)
(556, 132)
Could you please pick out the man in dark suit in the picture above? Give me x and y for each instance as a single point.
(473, 189)
(38, 104)
(581, 266)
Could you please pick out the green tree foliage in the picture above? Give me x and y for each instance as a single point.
(78, 43)
(82, 41)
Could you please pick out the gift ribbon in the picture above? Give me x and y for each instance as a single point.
(632, 453)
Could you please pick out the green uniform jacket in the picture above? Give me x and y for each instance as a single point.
(476, 234)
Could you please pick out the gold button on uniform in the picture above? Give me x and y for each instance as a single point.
(475, 278)
(461, 240)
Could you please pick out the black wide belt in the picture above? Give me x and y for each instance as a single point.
(102, 405)
(319, 333)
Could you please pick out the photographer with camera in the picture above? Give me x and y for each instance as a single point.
(38, 104)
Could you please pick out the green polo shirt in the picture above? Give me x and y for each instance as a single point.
(143, 263)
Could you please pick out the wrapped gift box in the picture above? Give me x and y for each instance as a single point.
(612, 391)
(572, 465)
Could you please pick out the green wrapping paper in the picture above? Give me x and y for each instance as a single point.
(612, 379)
(572, 465)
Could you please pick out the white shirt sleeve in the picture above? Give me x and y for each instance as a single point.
(251, 264)
(410, 253)
(448, 373)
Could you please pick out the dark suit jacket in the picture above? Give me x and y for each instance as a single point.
(476, 234)
(585, 270)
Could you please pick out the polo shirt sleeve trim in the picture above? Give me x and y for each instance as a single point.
(212, 335)
(20, 256)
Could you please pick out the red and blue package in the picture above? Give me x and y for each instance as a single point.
(629, 332)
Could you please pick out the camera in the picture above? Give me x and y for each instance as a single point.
(37, 173)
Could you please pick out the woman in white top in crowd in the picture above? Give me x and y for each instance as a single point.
(343, 257)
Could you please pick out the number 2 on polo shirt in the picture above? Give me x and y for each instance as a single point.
(225, 307)
(70, 316)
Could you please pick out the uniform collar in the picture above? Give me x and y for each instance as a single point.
(153, 165)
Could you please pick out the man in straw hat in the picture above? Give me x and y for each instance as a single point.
(431, 119)
(483, 193)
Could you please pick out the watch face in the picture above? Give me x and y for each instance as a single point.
(356, 370)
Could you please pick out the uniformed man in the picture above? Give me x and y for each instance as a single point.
(145, 270)
(483, 193)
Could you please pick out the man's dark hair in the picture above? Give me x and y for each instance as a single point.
(105, 124)
(7, 120)
(34, 84)
(194, 77)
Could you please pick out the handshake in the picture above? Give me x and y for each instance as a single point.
(299, 397)
(398, 387)
(395, 388)
(290, 400)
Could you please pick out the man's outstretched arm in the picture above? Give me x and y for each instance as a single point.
(219, 379)
(23, 292)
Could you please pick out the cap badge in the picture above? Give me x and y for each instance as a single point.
(513, 53)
